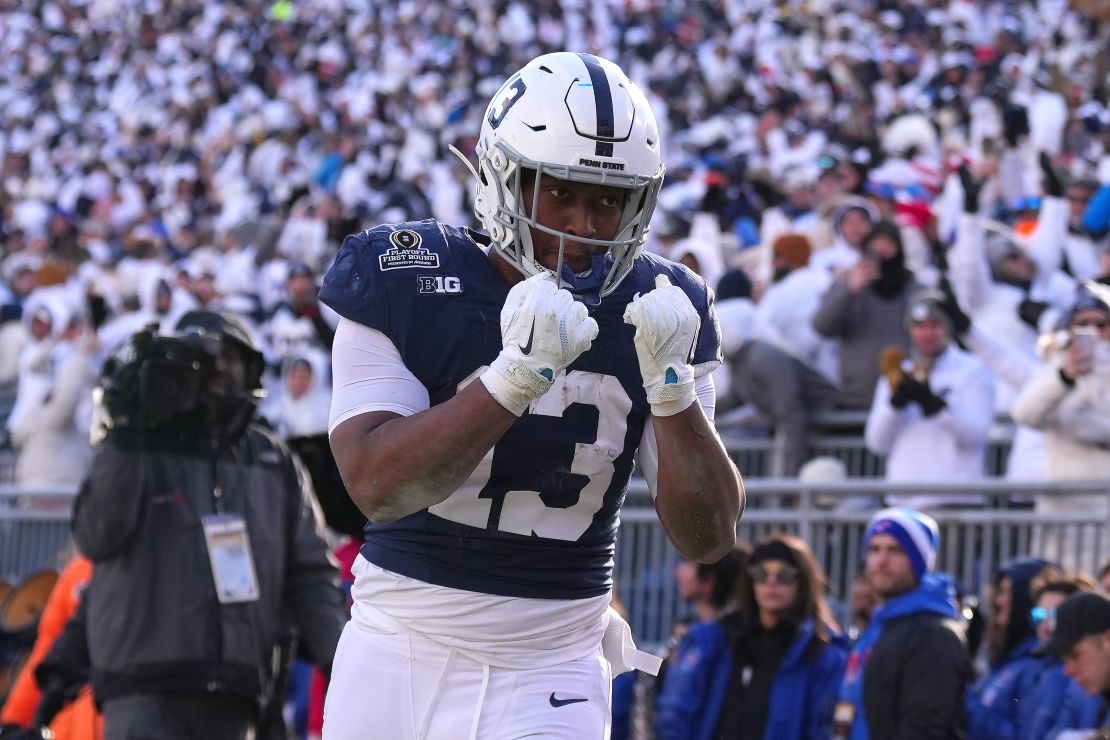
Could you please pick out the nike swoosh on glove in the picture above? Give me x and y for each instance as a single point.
(543, 330)
(667, 326)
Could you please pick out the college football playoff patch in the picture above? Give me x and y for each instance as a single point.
(405, 251)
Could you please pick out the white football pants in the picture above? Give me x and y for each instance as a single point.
(400, 687)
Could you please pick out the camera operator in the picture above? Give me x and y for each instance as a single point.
(203, 531)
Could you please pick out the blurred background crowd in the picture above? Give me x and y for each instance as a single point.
(162, 156)
(904, 206)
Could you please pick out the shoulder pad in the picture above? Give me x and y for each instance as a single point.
(357, 285)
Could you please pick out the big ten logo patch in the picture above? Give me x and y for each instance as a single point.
(405, 250)
(444, 284)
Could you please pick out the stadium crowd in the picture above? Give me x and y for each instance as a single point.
(904, 208)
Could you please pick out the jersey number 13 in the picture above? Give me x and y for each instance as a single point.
(524, 512)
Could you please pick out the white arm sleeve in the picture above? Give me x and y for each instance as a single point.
(369, 375)
(648, 453)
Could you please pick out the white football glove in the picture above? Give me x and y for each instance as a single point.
(667, 327)
(543, 329)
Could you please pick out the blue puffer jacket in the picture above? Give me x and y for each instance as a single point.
(992, 702)
(1051, 702)
(803, 692)
(1029, 699)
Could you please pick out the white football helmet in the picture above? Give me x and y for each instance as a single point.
(576, 117)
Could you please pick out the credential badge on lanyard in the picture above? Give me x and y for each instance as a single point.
(229, 552)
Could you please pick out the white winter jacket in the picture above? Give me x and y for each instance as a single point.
(784, 318)
(53, 439)
(948, 446)
(993, 306)
(1075, 419)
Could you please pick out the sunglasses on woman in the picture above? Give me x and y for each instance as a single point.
(787, 575)
(1039, 614)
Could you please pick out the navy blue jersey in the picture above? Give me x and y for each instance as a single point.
(540, 519)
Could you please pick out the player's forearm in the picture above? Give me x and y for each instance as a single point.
(405, 464)
(700, 496)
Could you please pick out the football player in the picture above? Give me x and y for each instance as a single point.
(490, 393)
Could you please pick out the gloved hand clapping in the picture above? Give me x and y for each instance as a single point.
(912, 390)
(667, 327)
(543, 330)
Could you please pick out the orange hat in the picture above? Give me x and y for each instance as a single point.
(794, 249)
(51, 273)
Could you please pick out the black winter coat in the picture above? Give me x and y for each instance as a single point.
(154, 621)
(916, 676)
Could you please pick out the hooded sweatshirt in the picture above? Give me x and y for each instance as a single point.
(1019, 630)
(935, 595)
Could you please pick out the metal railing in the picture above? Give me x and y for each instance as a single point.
(34, 529)
(974, 541)
(752, 444)
(751, 441)
(7, 465)
(34, 533)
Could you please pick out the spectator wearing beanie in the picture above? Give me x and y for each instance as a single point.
(772, 375)
(1010, 299)
(938, 398)
(734, 284)
(851, 220)
(863, 311)
(1068, 397)
(1060, 241)
(908, 671)
(1006, 292)
(784, 314)
(788, 253)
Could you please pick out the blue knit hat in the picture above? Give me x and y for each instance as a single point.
(916, 533)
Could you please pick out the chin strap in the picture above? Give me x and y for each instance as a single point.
(587, 288)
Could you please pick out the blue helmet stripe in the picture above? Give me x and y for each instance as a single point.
(603, 102)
